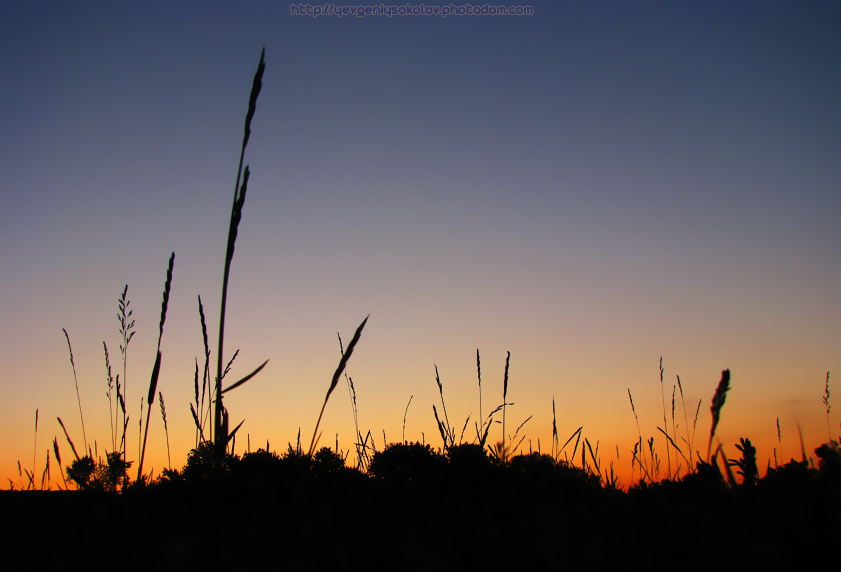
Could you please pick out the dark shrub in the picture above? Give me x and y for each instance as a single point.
(404, 463)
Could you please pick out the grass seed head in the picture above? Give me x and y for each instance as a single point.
(718, 402)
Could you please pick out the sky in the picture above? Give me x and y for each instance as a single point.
(591, 187)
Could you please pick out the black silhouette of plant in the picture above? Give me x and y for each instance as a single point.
(342, 363)
(404, 463)
(153, 383)
(200, 465)
(127, 332)
(830, 461)
(826, 404)
(114, 474)
(110, 476)
(258, 462)
(717, 403)
(327, 461)
(81, 471)
(792, 477)
(220, 423)
(747, 464)
(468, 456)
(540, 472)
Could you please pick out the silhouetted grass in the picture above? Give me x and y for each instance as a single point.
(826, 404)
(127, 332)
(57, 454)
(717, 403)
(333, 382)
(153, 383)
(166, 430)
(220, 431)
(76, 381)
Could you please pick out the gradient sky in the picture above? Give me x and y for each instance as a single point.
(590, 188)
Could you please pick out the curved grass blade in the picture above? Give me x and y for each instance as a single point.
(246, 378)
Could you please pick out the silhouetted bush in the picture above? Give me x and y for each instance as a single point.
(830, 461)
(707, 479)
(401, 463)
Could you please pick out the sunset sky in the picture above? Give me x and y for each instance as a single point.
(591, 187)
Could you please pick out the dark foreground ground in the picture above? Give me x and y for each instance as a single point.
(282, 514)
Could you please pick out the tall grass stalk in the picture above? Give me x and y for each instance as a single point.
(140, 428)
(201, 419)
(479, 374)
(464, 428)
(688, 439)
(110, 381)
(153, 383)
(335, 380)
(511, 439)
(352, 395)
(447, 433)
(57, 454)
(405, 413)
(695, 427)
(70, 441)
(127, 332)
(577, 434)
(780, 440)
(826, 404)
(166, 431)
(663, 395)
(554, 432)
(45, 476)
(677, 449)
(35, 451)
(193, 408)
(122, 403)
(76, 381)
(639, 433)
(674, 431)
(593, 456)
(30, 479)
(505, 398)
(236, 215)
(802, 447)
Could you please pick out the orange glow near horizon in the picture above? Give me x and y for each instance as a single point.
(608, 422)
